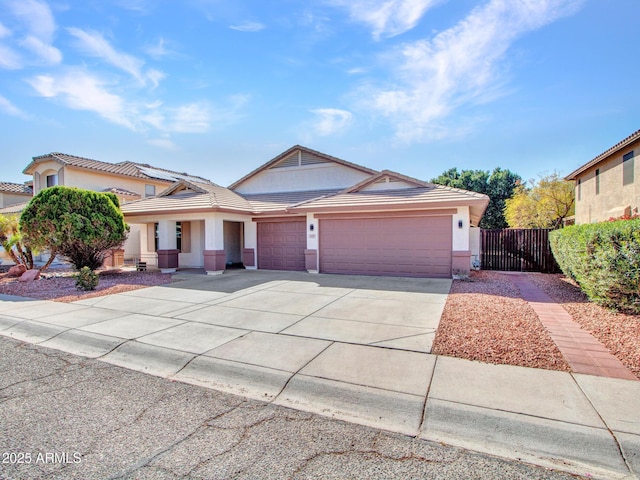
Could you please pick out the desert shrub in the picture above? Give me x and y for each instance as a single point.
(81, 225)
(86, 279)
(604, 259)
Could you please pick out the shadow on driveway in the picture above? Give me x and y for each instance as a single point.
(232, 281)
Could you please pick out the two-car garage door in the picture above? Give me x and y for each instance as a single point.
(415, 246)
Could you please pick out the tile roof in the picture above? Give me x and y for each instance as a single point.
(128, 169)
(272, 202)
(14, 209)
(184, 195)
(19, 188)
(430, 195)
(276, 159)
(403, 196)
(121, 191)
(610, 151)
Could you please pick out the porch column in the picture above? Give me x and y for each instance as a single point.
(250, 245)
(167, 251)
(214, 254)
(460, 251)
(311, 253)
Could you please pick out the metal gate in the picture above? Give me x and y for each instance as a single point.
(517, 250)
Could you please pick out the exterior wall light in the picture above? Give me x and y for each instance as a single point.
(311, 227)
(459, 223)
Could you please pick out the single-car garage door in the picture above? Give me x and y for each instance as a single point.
(281, 245)
(418, 246)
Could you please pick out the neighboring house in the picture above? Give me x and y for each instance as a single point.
(13, 198)
(305, 210)
(14, 193)
(127, 180)
(609, 185)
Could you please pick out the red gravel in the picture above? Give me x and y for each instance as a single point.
(485, 319)
(619, 332)
(63, 288)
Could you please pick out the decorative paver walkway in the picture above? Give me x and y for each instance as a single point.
(582, 351)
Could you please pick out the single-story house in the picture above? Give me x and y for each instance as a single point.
(608, 186)
(306, 210)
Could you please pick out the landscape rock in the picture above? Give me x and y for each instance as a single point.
(30, 275)
(17, 270)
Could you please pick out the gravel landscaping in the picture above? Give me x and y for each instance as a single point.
(485, 319)
(60, 286)
(620, 333)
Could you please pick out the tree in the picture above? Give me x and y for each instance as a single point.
(11, 241)
(81, 225)
(499, 186)
(543, 205)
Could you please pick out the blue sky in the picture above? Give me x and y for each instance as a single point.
(217, 87)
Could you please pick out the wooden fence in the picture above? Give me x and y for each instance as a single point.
(517, 250)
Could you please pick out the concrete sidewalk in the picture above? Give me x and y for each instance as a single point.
(354, 351)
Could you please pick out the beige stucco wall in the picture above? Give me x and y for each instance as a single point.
(614, 197)
(91, 180)
(306, 177)
(7, 199)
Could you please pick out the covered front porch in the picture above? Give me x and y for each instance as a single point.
(211, 241)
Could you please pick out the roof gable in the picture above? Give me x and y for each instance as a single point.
(386, 180)
(299, 157)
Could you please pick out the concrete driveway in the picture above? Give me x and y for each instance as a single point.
(321, 339)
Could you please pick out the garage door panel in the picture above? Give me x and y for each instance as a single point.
(281, 245)
(417, 246)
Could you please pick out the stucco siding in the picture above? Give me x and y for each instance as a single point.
(299, 178)
(7, 199)
(100, 180)
(614, 198)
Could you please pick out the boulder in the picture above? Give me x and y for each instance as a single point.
(17, 270)
(30, 275)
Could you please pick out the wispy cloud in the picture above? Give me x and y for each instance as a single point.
(163, 143)
(10, 109)
(248, 27)
(330, 121)
(192, 118)
(4, 31)
(37, 28)
(9, 58)
(459, 66)
(387, 18)
(158, 50)
(81, 90)
(95, 45)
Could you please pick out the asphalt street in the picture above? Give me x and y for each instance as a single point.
(69, 417)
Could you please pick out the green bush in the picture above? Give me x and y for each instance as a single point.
(81, 225)
(86, 279)
(604, 259)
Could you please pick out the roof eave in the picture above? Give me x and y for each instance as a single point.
(604, 155)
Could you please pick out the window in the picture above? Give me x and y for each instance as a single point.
(179, 236)
(52, 180)
(597, 181)
(627, 168)
(579, 188)
(149, 190)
